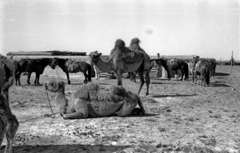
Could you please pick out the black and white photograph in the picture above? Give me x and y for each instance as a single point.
(120, 76)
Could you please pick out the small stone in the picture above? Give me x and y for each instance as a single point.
(114, 143)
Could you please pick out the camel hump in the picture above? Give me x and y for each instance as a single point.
(118, 93)
(87, 91)
(117, 90)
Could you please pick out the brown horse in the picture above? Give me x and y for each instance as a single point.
(176, 64)
(8, 122)
(30, 66)
(73, 66)
(202, 69)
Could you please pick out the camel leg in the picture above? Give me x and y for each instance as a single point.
(141, 106)
(29, 76)
(11, 132)
(119, 77)
(97, 74)
(134, 77)
(81, 110)
(140, 73)
(127, 108)
(147, 78)
(3, 126)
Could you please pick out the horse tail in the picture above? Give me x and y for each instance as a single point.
(89, 72)
(186, 71)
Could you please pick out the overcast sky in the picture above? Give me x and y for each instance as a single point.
(209, 28)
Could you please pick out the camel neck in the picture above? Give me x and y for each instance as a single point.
(104, 66)
(61, 100)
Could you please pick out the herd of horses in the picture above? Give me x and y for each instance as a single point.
(38, 65)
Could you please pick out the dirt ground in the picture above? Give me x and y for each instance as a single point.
(181, 117)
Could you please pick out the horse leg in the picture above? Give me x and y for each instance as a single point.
(17, 78)
(86, 76)
(29, 76)
(69, 82)
(35, 82)
(37, 79)
(89, 74)
(176, 75)
(182, 71)
(193, 76)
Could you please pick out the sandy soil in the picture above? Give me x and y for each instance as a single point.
(180, 117)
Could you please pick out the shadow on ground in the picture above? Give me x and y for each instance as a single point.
(221, 74)
(67, 148)
(177, 95)
(218, 84)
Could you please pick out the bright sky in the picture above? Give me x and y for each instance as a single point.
(209, 28)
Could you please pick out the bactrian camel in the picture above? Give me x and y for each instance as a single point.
(8, 122)
(92, 101)
(123, 59)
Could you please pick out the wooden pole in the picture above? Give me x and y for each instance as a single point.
(231, 62)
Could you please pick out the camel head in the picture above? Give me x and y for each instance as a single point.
(53, 63)
(55, 86)
(94, 56)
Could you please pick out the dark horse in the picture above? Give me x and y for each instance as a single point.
(212, 63)
(32, 65)
(177, 64)
(161, 62)
(202, 69)
(73, 66)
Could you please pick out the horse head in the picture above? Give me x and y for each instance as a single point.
(53, 62)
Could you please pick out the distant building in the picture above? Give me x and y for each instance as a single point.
(46, 53)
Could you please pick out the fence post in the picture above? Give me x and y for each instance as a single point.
(231, 62)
